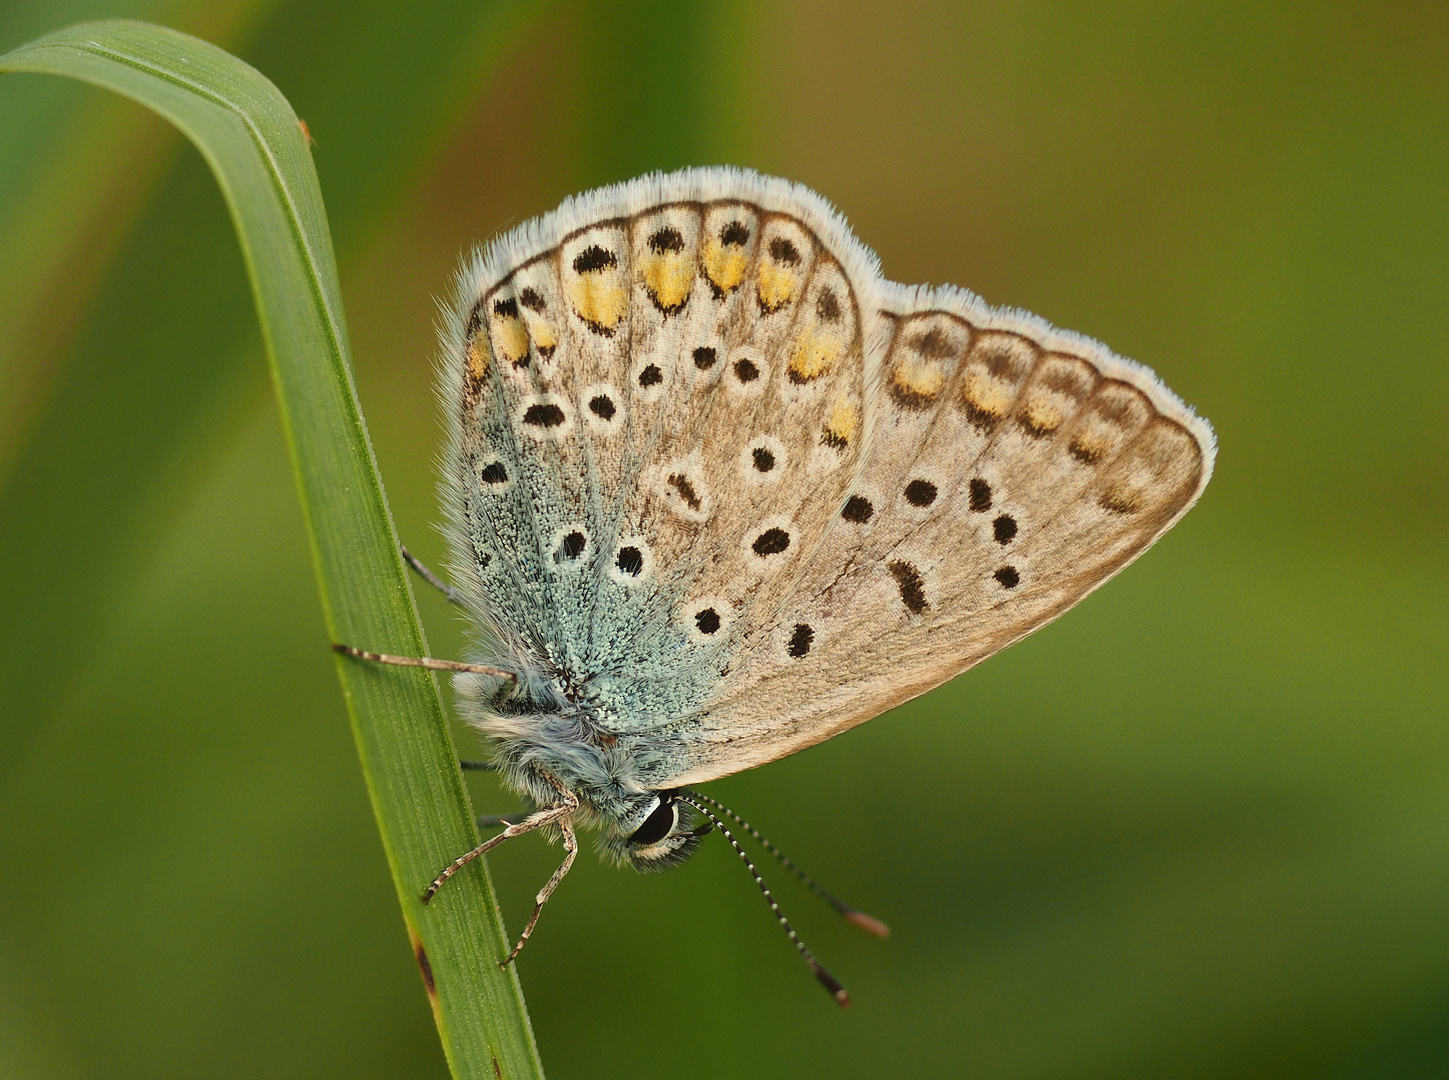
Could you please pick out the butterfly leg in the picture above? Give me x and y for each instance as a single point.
(452, 594)
(536, 820)
(571, 846)
(427, 662)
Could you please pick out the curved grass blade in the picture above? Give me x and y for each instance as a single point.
(250, 137)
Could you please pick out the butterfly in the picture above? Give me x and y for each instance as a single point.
(717, 490)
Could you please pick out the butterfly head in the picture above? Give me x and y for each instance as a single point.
(664, 836)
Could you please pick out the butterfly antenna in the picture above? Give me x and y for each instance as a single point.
(827, 980)
(868, 923)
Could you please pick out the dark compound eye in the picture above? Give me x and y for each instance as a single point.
(657, 825)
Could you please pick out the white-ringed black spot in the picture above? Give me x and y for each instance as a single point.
(602, 406)
(980, 495)
(494, 473)
(680, 483)
(908, 580)
(545, 415)
(746, 370)
(666, 239)
(630, 561)
(1008, 577)
(594, 258)
(764, 460)
(707, 620)
(571, 547)
(651, 376)
(800, 640)
(771, 542)
(920, 493)
(1004, 529)
(858, 510)
(704, 357)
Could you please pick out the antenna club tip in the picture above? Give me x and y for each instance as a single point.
(869, 924)
(833, 985)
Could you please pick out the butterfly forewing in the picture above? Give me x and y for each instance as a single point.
(1009, 474)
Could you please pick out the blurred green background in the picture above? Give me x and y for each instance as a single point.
(1197, 828)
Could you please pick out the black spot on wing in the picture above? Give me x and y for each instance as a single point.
(746, 370)
(544, 416)
(771, 542)
(1004, 528)
(531, 299)
(680, 483)
(651, 376)
(908, 580)
(708, 621)
(800, 640)
(630, 561)
(571, 548)
(665, 240)
(594, 258)
(764, 460)
(783, 251)
(493, 473)
(1008, 577)
(934, 344)
(857, 509)
(602, 406)
(980, 495)
(920, 493)
(704, 357)
(736, 234)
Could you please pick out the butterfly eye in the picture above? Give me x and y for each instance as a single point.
(656, 826)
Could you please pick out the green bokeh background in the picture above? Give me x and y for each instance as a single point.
(1197, 828)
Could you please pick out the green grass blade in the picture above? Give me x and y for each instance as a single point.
(249, 135)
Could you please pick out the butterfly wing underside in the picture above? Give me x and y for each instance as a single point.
(726, 489)
(1012, 469)
(658, 416)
